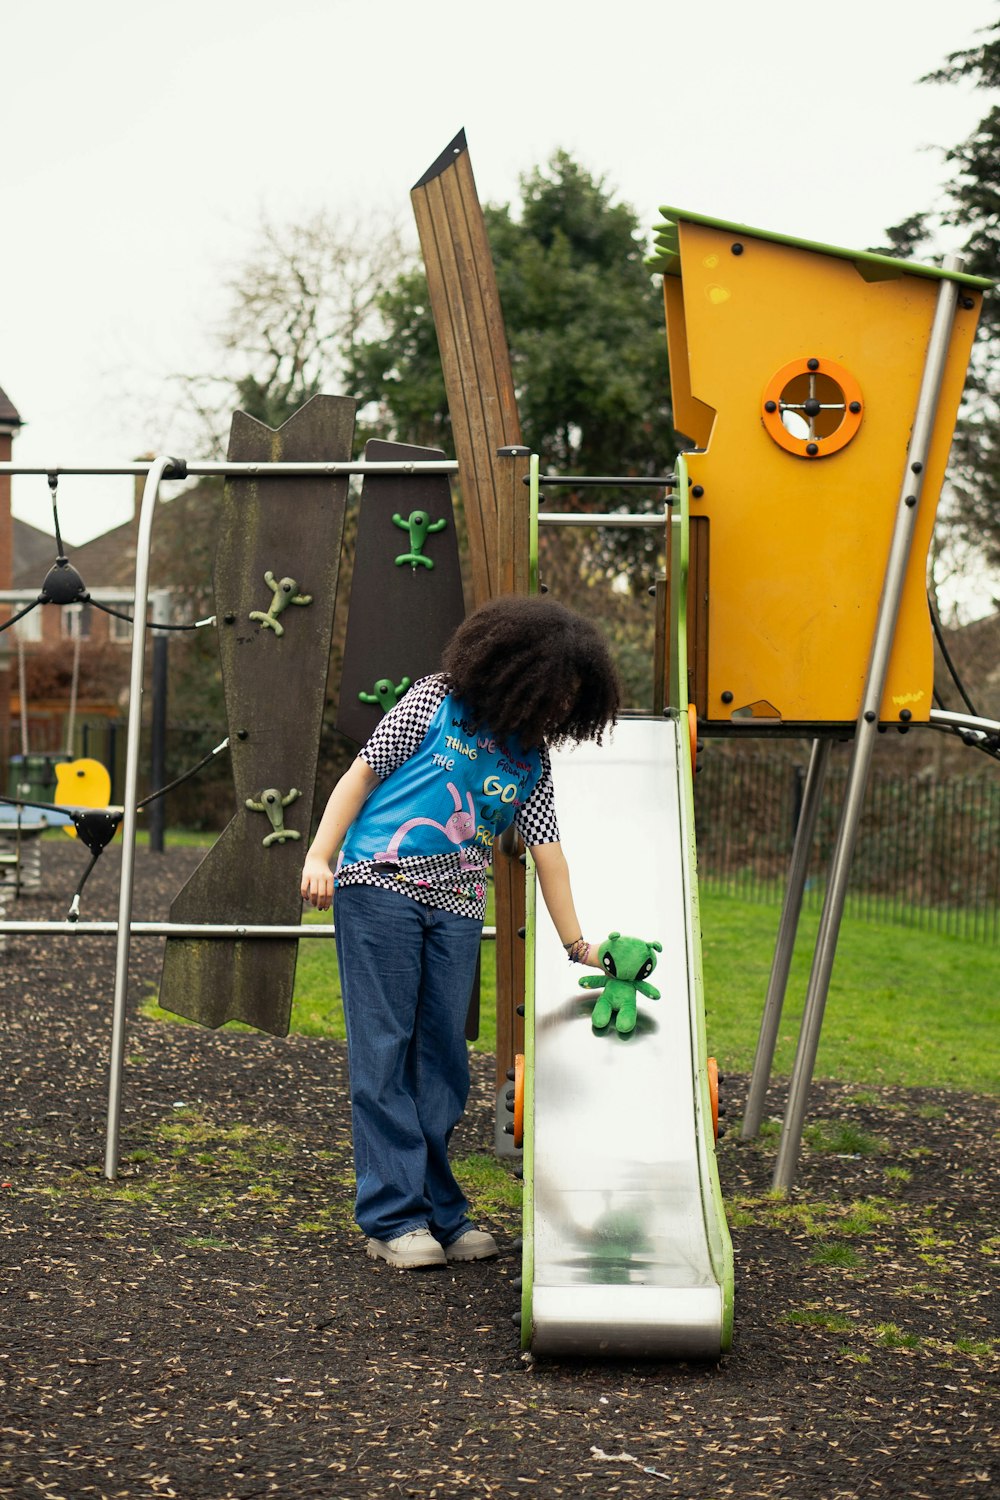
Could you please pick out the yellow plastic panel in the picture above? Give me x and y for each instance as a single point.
(691, 417)
(799, 545)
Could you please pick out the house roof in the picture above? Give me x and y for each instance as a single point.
(108, 560)
(34, 553)
(181, 541)
(9, 414)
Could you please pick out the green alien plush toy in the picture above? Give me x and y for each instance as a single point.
(627, 961)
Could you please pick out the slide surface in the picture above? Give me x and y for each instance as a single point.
(626, 1248)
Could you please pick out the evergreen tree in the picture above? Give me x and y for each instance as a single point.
(972, 206)
(584, 318)
(585, 322)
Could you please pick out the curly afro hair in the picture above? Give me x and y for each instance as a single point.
(532, 668)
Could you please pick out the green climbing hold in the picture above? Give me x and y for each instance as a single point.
(284, 591)
(386, 693)
(419, 525)
(273, 803)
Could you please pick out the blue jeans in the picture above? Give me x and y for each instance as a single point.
(406, 974)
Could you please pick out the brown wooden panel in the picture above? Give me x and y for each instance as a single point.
(458, 366)
(474, 352)
(478, 375)
(474, 269)
(513, 517)
(401, 614)
(275, 687)
(476, 362)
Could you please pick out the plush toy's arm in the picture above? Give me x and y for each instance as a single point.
(593, 981)
(649, 990)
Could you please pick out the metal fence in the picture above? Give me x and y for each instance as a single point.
(926, 856)
(928, 850)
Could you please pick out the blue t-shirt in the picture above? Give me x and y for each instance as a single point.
(428, 829)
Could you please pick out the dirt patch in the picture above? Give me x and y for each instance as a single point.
(209, 1327)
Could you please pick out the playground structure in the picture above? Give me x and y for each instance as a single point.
(626, 1246)
(821, 387)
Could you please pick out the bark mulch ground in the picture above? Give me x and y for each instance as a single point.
(209, 1328)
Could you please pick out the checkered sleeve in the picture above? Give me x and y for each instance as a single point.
(536, 821)
(401, 732)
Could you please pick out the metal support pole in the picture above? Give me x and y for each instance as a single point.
(181, 470)
(785, 945)
(867, 728)
(595, 521)
(119, 1013)
(156, 817)
(227, 931)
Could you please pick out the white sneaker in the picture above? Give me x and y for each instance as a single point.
(474, 1244)
(410, 1251)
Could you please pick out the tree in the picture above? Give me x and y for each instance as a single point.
(584, 319)
(585, 323)
(324, 307)
(972, 205)
(297, 305)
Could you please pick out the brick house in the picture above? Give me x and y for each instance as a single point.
(78, 651)
(72, 658)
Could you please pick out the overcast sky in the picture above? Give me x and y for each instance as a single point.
(142, 142)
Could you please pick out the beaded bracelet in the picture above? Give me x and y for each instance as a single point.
(577, 951)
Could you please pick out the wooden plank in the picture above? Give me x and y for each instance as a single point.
(474, 453)
(275, 688)
(485, 282)
(513, 521)
(476, 361)
(456, 361)
(474, 352)
(474, 270)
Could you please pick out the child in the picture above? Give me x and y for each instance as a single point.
(459, 758)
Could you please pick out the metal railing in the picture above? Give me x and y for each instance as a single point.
(926, 853)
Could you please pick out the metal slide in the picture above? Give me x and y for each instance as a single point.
(626, 1247)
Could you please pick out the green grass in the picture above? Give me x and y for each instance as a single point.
(844, 1257)
(842, 1138)
(811, 1317)
(908, 1008)
(915, 1009)
(174, 838)
(179, 838)
(490, 1186)
(890, 1336)
(317, 1008)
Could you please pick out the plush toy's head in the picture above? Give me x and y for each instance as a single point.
(628, 958)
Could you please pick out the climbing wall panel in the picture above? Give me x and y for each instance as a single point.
(276, 570)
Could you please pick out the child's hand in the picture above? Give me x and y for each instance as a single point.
(317, 882)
